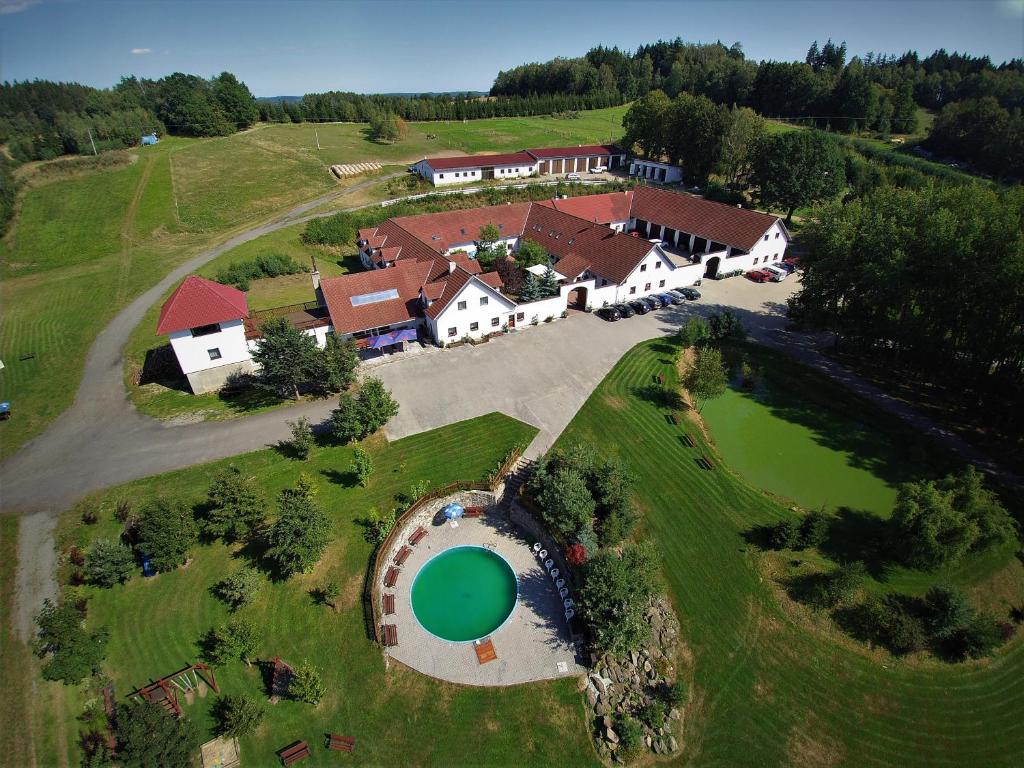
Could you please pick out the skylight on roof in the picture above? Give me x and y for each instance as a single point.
(373, 298)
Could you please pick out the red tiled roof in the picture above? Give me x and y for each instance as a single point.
(456, 280)
(366, 234)
(608, 253)
(406, 277)
(738, 227)
(452, 228)
(493, 279)
(198, 301)
(603, 209)
(583, 151)
(479, 161)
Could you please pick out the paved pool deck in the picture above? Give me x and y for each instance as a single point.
(533, 644)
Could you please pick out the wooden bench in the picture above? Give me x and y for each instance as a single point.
(708, 462)
(661, 378)
(689, 440)
(417, 535)
(673, 418)
(389, 604)
(473, 512)
(297, 751)
(391, 577)
(341, 743)
(390, 632)
(403, 555)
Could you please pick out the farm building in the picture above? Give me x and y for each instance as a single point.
(652, 170)
(422, 277)
(529, 162)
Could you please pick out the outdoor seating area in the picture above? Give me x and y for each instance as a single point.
(568, 604)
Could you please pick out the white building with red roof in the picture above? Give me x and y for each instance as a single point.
(206, 325)
(546, 161)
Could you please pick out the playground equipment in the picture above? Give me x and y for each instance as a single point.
(165, 690)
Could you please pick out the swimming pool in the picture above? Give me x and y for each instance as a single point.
(464, 593)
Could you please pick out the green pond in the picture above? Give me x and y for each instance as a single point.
(464, 593)
(823, 450)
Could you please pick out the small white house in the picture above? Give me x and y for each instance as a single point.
(205, 323)
(652, 170)
(468, 306)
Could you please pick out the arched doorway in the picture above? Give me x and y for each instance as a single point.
(577, 299)
(711, 270)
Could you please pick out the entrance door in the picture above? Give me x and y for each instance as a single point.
(488, 173)
(712, 266)
(577, 299)
(512, 321)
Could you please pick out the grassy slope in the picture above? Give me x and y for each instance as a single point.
(779, 687)
(83, 247)
(399, 717)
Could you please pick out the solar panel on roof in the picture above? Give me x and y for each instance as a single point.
(372, 298)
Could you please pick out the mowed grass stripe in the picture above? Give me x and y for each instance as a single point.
(769, 690)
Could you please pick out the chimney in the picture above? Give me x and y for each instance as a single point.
(451, 267)
(315, 275)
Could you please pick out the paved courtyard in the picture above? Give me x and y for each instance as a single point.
(533, 644)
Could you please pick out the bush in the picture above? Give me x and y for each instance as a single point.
(306, 684)
(814, 529)
(784, 534)
(109, 563)
(362, 466)
(828, 590)
(362, 415)
(338, 229)
(148, 735)
(676, 695)
(239, 715)
(575, 554)
(302, 441)
(722, 194)
(71, 653)
(888, 622)
(946, 611)
(979, 637)
(236, 505)
(240, 588)
(166, 532)
(298, 538)
(238, 639)
(614, 595)
(631, 734)
(241, 273)
(653, 714)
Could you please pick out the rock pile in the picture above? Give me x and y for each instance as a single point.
(624, 687)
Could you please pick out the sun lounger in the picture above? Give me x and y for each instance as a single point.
(403, 555)
(389, 604)
(391, 577)
(473, 512)
(417, 535)
(390, 632)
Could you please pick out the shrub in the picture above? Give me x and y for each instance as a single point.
(241, 273)
(166, 532)
(239, 715)
(362, 415)
(888, 621)
(814, 529)
(236, 505)
(979, 637)
(378, 525)
(614, 595)
(946, 611)
(298, 538)
(838, 586)
(575, 554)
(694, 333)
(726, 325)
(71, 653)
(631, 734)
(239, 588)
(238, 639)
(362, 466)
(653, 714)
(676, 695)
(148, 735)
(109, 563)
(302, 441)
(306, 684)
(338, 229)
(785, 534)
(330, 592)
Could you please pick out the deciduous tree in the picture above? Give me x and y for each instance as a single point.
(287, 358)
(707, 378)
(797, 168)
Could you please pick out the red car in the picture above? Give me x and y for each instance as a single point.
(758, 276)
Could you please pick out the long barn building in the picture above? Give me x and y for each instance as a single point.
(551, 161)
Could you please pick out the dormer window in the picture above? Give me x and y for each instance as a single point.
(206, 330)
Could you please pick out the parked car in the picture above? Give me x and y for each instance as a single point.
(572, 177)
(777, 274)
(758, 276)
(653, 301)
(624, 309)
(790, 268)
(640, 307)
(690, 294)
(611, 314)
(598, 169)
(673, 298)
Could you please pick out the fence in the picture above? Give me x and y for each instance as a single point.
(372, 589)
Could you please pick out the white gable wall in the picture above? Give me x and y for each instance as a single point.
(462, 320)
(193, 352)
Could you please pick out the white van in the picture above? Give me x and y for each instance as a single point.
(778, 273)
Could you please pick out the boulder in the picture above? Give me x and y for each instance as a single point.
(673, 744)
(611, 735)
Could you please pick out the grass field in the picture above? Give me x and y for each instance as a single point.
(83, 245)
(776, 685)
(398, 717)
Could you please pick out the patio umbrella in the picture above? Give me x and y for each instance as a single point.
(406, 334)
(453, 511)
(385, 340)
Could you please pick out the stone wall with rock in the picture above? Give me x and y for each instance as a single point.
(616, 688)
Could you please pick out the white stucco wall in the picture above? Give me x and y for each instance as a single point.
(441, 178)
(193, 351)
(646, 169)
(551, 307)
(497, 306)
(470, 247)
(770, 251)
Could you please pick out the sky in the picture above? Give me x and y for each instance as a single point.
(292, 47)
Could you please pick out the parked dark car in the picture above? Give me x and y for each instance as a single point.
(640, 307)
(790, 268)
(671, 298)
(653, 301)
(691, 294)
(611, 314)
(624, 309)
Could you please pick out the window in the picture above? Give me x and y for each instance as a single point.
(755, 261)
(776, 234)
(661, 283)
(474, 326)
(647, 287)
(604, 282)
(520, 316)
(643, 267)
(632, 290)
(657, 265)
(440, 175)
(776, 257)
(766, 237)
(214, 353)
(483, 301)
(206, 330)
(462, 305)
(494, 322)
(452, 331)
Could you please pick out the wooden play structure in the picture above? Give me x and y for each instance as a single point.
(165, 690)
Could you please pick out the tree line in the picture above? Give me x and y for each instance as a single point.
(40, 120)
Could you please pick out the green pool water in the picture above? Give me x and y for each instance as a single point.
(464, 593)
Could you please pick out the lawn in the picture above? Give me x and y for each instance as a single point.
(399, 717)
(775, 685)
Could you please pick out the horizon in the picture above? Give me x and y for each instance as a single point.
(290, 49)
